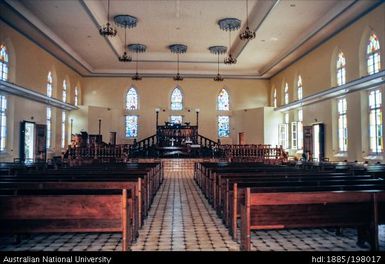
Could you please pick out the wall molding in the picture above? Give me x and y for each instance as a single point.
(366, 82)
(14, 89)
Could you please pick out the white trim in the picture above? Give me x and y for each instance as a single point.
(20, 91)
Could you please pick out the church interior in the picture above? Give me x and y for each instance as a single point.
(192, 125)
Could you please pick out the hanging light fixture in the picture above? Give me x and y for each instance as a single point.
(229, 24)
(178, 49)
(218, 50)
(107, 30)
(125, 21)
(137, 48)
(247, 34)
(125, 57)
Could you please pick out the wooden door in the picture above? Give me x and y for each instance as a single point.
(241, 138)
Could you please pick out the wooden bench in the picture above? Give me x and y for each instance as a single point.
(107, 208)
(138, 182)
(232, 196)
(310, 206)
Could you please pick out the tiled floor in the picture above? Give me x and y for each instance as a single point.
(181, 219)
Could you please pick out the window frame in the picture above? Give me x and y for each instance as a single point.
(126, 117)
(228, 100)
(4, 63)
(342, 125)
(228, 127)
(341, 69)
(136, 101)
(376, 109)
(172, 102)
(373, 56)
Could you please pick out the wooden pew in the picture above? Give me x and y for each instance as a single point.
(232, 196)
(144, 179)
(107, 208)
(310, 206)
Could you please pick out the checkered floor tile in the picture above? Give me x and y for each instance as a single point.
(181, 219)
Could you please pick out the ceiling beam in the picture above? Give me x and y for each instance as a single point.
(257, 16)
(342, 15)
(14, 89)
(17, 16)
(98, 14)
(363, 83)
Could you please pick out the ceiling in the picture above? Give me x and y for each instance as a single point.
(285, 30)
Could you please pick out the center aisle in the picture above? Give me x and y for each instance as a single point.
(180, 218)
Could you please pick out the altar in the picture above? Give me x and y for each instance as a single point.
(177, 139)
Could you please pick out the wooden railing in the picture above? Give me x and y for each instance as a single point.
(98, 152)
(142, 145)
(206, 142)
(254, 153)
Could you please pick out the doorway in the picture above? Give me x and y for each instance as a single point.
(27, 142)
(241, 138)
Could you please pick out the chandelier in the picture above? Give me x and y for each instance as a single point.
(247, 34)
(137, 48)
(229, 24)
(125, 57)
(107, 30)
(218, 50)
(178, 49)
(125, 21)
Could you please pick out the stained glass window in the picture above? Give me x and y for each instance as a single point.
(132, 99)
(177, 99)
(49, 110)
(373, 54)
(76, 99)
(283, 136)
(223, 102)
(49, 126)
(286, 93)
(3, 99)
(64, 94)
(299, 88)
(294, 135)
(176, 119)
(49, 85)
(275, 97)
(223, 126)
(63, 129)
(375, 121)
(342, 125)
(3, 63)
(131, 126)
(341, 71)
(3, 122)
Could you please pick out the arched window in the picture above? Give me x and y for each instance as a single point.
(3, 63)
(375, 121)
(132, 99)
(275, 98)
(49, 85)
(131, 126)
(176, 99)
(299, 88)
(49, 111)
(286, 93)
(373, 54)
(223, 101)
(342, 125)
(223, 126)
(3, 99)
(63, 117)
(76, 98)
(3, 122)
(341, 71)
(64, 94)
